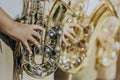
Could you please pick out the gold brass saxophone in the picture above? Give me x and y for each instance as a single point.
(108, 45)
(44, 61)
(74, 57)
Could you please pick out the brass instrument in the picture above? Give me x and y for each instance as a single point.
(75, 56)
(43, 61)
(108, 45)
(108, 48)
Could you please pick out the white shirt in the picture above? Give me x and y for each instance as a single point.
(12, 7)
(91, 6)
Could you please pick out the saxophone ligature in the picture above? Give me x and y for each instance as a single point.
(44, 61)
(75, 57)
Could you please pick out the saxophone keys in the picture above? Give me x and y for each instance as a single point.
(66, 64)
(37, 69)
(50, 50)
(52, 34)
(113, 55)
(82, 45)
(60, 32)
(57, 49)
(75, 60)
(88, 30)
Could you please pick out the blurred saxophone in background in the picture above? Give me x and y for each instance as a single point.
(75, 56)
(108, 45)
(44, 60)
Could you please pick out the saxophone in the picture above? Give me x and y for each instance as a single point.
(75, 57)
(108, 45)
(44, 61)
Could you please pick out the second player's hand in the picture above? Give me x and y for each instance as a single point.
(69, 33)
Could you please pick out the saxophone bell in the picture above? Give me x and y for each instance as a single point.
(75, 57)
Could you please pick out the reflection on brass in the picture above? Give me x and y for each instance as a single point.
(44, 60)
(74, 57)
